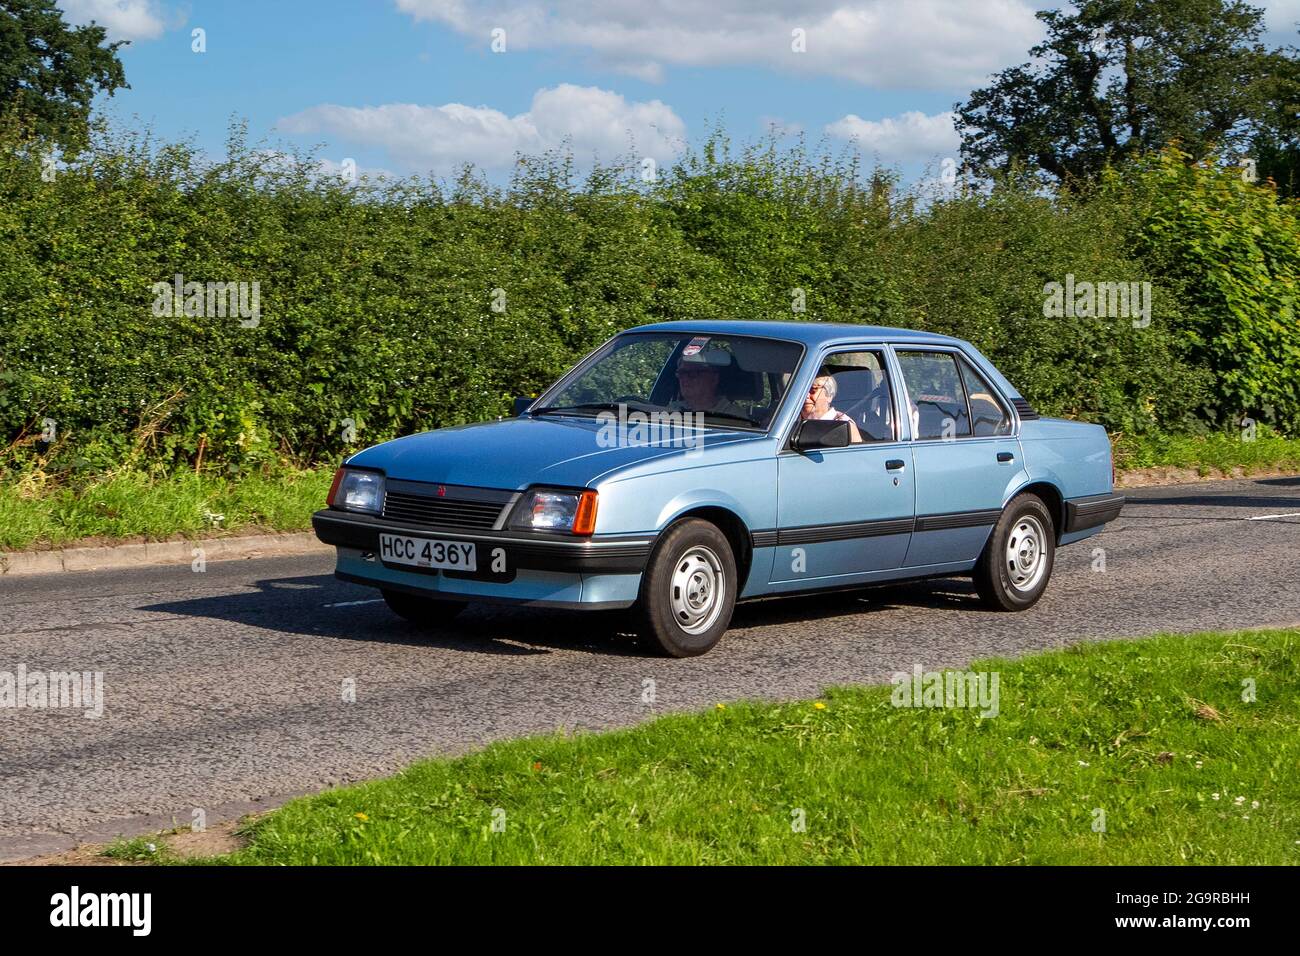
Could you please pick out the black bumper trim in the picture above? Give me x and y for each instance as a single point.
(1084, 513)
(595, 555)
(483, 598)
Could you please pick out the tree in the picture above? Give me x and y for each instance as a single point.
(1275, 146)
(50, 71)
(1120, 77)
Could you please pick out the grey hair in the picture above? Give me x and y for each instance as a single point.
(831, 387)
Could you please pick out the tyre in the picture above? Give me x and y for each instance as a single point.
(688, 590)
(428, 612)
(1014, 569)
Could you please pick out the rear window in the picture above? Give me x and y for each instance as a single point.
(936, 394)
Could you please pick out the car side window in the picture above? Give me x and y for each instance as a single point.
(862, 393)
(936, 395)
(988, 415)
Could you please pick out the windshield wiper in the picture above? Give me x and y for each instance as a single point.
(593, 407)
(583, 407)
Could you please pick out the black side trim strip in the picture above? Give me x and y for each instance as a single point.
(810, 534)
(815, 533)
(594, 555)
(957, 519)
(1091, 511)
(1027, 412)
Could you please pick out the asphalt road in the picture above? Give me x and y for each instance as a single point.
(223, 689)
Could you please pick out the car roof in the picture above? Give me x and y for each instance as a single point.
(807, 333)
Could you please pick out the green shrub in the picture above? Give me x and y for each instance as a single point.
(1231, 252)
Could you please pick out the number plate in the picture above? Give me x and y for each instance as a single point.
(427, 552)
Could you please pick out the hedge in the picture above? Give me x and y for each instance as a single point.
(394, 306)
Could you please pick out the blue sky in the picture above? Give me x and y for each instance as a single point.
(414, 86)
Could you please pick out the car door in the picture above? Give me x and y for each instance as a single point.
(843, 513)
(965, 455)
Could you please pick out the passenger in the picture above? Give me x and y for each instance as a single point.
(697, 379)
(817, 406)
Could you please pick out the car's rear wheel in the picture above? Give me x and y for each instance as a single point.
(688, 590)
(1014, 569)
(428, 612)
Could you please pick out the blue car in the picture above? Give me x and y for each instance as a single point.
(684, 466)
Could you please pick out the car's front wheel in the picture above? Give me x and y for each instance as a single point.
(688, 590)
(1014, 569)
(428, 612)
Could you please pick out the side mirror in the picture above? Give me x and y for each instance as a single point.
(814, 433)
(521, 404)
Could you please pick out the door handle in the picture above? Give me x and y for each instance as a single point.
(1006, 456)
(894, 464)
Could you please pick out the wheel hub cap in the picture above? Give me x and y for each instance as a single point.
(698, 590)
(1026, 560)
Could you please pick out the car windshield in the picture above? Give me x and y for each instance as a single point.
(729, 381)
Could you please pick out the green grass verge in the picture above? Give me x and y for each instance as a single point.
(138, 850)
(137, 505)
(1205, 453)
(1152, 732)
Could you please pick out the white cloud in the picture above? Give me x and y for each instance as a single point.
(931, 44)
(589, 121)
(123, 19)
(909, 137)
(1282, 19)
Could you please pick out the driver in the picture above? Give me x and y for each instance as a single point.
(697, 381)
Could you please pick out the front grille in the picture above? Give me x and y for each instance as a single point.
(441, 512)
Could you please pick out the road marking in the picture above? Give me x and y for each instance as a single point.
(1289, 514)
(353, 603)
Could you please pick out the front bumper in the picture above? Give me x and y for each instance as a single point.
(505, 552)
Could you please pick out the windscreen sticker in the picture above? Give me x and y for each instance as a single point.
(695, 344)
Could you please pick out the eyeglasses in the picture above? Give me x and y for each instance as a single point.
(694, 372)
(816, 387)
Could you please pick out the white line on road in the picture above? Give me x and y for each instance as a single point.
(1289, 514)
(353, 603)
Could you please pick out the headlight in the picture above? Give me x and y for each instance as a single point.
(358, 491)
(545, 510)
